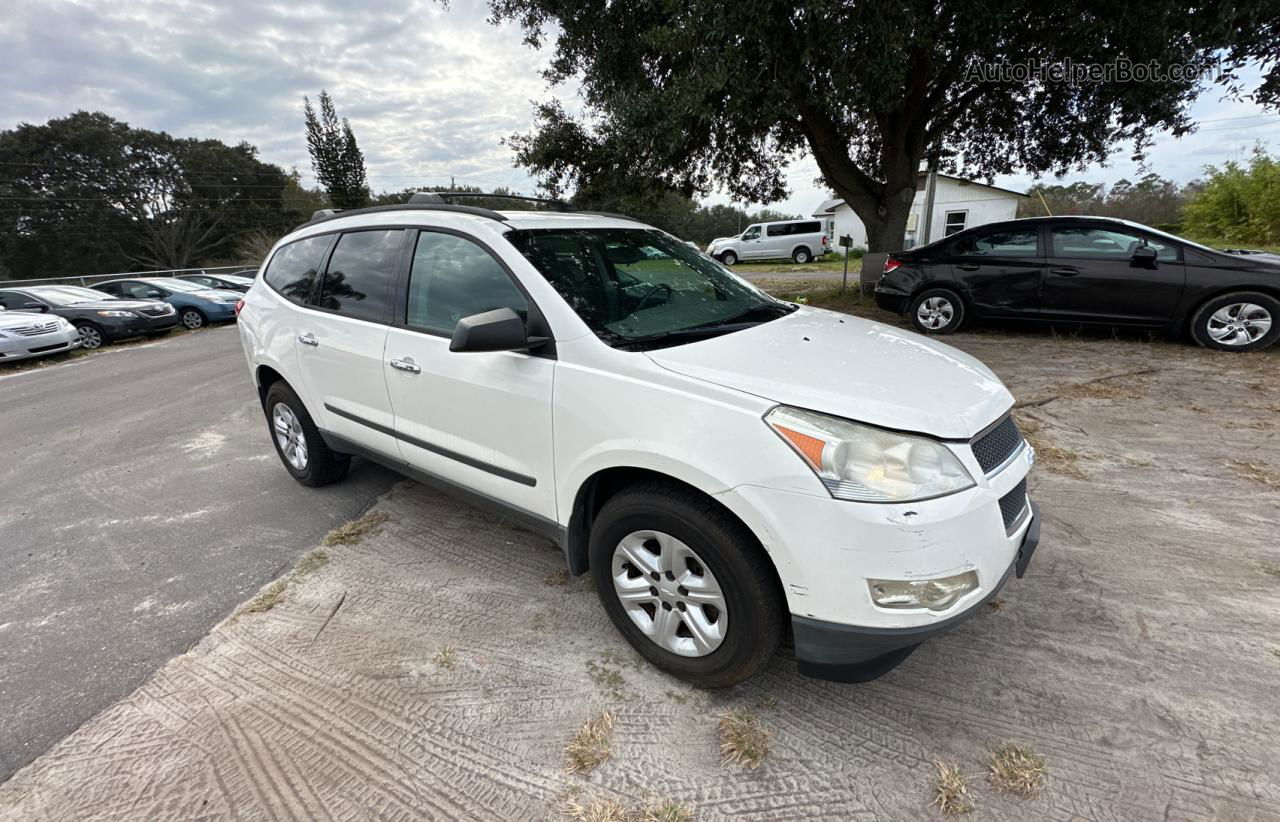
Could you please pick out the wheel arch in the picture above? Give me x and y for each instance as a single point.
(802, 246)
(266, 376)
(1183, 322)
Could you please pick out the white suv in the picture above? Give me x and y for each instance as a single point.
(729, 468)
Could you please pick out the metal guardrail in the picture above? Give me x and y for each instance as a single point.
(97, 278)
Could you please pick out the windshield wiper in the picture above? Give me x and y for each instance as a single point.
(775, 310)
(678, 334)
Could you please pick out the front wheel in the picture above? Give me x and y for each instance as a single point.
(303, 451)
(686, 584)
(191, 319)
(729, 258)
(936, 311)
(1241, 321)
(91, 336)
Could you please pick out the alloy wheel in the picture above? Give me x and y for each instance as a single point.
(1239, 324)
(289, 436)
(90, 337)
(192, 319)
(935, 313)
(669, 593)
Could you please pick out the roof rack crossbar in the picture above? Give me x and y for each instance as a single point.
(326, 214)
(440, 197)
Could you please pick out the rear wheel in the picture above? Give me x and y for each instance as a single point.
(91, 336)
(1240, 321)
(192, 318)
(686, 584)
(801, 256)
(729, 258)
(936, 311)
(298, 442)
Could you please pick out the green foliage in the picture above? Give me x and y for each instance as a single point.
(1151, 201)
(695, 95)
(87, 194)
(1238, 204)
(335, 157)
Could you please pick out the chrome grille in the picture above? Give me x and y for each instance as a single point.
(994, 448)
(34, 330)
(1013, 504)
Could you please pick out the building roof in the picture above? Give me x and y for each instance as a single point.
(828, 206)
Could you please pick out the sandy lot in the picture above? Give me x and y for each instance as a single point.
(438, 665)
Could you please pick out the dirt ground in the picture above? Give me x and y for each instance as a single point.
(437, 664)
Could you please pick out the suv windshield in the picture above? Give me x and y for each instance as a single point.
(639, 286)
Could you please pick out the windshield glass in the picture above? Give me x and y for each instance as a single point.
(177, 285)
(633, 285)
(85, 294)
(236, 279)
(57, 296)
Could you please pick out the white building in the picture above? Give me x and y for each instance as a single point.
(957, 204)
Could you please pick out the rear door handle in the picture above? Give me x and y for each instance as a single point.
(308, 339)
(1065, 272)
(407, 365)
(968, 266)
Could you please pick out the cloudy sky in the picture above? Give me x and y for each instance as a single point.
(430, 91)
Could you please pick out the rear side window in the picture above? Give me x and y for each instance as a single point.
(779, 230)
(357, 281)
(452, 278)
(1014, 242)
(292, 270)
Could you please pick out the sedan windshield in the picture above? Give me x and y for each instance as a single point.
(176, 285)
(635, 286)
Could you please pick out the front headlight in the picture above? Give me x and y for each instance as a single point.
(116, 314)
(864, 464)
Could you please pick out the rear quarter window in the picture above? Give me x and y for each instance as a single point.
(292, 270)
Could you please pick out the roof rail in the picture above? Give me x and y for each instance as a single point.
(440, 197)
(326, 214)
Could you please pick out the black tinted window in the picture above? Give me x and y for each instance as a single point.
(453, 278)
(806, 228)
(292, 270)
(357, 282)
(1105, 244)
(1013, 242)
(779, 230)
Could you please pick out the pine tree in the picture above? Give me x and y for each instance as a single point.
(335, 156)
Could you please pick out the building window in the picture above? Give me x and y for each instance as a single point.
(955, 222)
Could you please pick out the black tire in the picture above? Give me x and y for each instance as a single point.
(801, 256)
(945, 309)
(323, 465)
(729, 258)
(91, 336)
(192, 318)
(753, 601)
(1204, 325)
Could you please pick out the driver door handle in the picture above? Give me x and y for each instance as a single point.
(1065, 272)
(407, 365)
(308, 339)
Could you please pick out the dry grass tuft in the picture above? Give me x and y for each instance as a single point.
(313, 561)
(558, 578)
(354, 532)
(665, 812)
(1017, 770)
(1255, 473)
(995, 604)
(594, 810)
(590, 746)
(266, 600)
(951, 794)
(446, 657)
(1048, 455)
(743, 739)
(1271, 569)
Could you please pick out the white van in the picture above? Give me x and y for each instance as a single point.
(801, 240)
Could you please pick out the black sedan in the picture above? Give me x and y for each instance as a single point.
(1086, 270)
(229, 282)
(100, 318)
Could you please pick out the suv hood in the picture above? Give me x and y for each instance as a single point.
(853, 368)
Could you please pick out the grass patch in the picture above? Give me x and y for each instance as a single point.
(1255, 473)
(1016, 769)
(743, 739)
(665, 812)
(594, 810)
(558, 578)
(446, 657)
(951, 794)
(354, 532)
(313, 561)
(605, 677)
(590, 746)
(1048, 455)
(1271, 569)
(268, 599)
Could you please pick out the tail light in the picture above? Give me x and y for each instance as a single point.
(824, 239)
(239, 306)
(891, 263)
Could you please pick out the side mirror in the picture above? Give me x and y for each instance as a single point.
(1145, 255)
(41, 307)
(497, 330)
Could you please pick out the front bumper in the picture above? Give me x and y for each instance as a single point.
(15, 348)
(852, 653)
(122, 327)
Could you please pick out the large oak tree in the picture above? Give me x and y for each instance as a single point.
(690, 95)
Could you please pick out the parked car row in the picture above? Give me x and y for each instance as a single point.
(48, 319)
